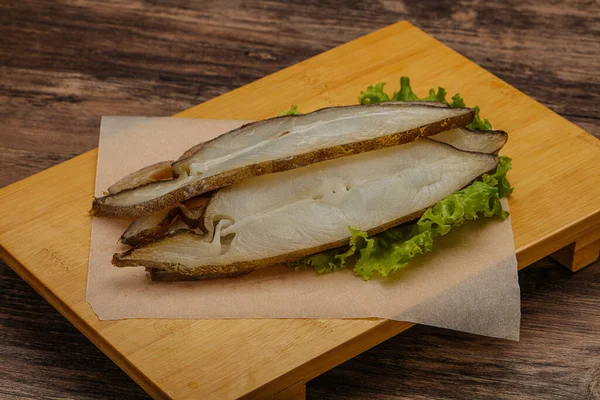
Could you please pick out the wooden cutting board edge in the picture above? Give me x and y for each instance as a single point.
(82, 326)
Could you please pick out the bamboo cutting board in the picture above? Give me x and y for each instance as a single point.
(45, 227)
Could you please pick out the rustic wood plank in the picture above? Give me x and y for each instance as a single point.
(55, 85)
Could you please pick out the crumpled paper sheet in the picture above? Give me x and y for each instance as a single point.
(469, 283)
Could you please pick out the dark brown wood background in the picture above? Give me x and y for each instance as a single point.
(63, 64)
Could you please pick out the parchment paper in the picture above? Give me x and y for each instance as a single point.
(469, 283)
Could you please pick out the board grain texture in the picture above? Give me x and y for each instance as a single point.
(151, 58)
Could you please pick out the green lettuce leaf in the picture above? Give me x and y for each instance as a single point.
(391, 250)
(375, 94)
(405, 93)
(477, 123)
(335, 259)
(323, 262)
(457, 102)
(292, 111)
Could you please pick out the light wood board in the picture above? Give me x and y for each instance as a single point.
(45, 227)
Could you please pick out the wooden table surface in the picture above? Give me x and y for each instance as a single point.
(64, 65)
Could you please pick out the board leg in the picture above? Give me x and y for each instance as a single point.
(578, 255)
(294, 392)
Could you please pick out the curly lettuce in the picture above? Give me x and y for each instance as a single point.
(390, 251)
(376, 94)
(292, 111)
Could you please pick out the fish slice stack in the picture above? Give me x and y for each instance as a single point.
(283, 189)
